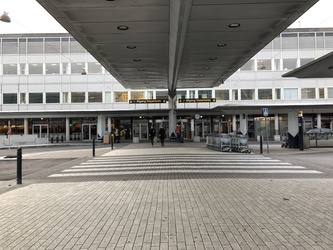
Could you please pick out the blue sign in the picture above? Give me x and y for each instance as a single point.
(265, 112)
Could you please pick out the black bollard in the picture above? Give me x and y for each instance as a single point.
(62, 138)
(19, 166)
(93, 149)
(260, 144)
(111, 141)
(51, 139)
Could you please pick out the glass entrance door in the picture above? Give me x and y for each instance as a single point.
(89, 131)
(42, 130)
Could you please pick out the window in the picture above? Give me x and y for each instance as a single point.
(65, 97)
(308, 93)
(9, 98)
(52, 45)
(121, 96)
(23, 98)
(321, 93)
(23, 46)
(76, 68)
(35, 97)
(95, 97)
(64, 45)
(76, 47)
(291, 94)
(264, 94)
(277, 43)
(222, 95)
(35, 45)
(35, 68)
(205, 94)
(307, 40)
(78, 97)
(10, 69)
(304, 61)
(162, 95)
(247, 94)
(277, 94)
(181, 94)
(289, 64)
(289, 41)
(264, 64)
(235, 94)
(329, 40)
(52, 97)
(320, 40)
(248, 66)
(52, 68)
(94, 68)
(137, 95)
(329, 92)
(9, 46)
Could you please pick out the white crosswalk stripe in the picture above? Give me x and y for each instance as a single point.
(183, 164)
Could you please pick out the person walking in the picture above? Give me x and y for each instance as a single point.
(161, 134)
(178, 133)
(152, 134)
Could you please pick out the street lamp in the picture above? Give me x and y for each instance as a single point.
(5, 18)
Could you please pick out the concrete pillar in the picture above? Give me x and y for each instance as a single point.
(192, 128)
(318, 120)
(101, 125)
(243, 123)
(172, 114)
(109, 124)
(276, 128)
(293, 129)
(26, 126)
(67, 129)
(234, 125)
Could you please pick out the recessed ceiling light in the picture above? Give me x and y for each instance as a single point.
(212, 58)
(122, 27)
(234, 25)
(221, 45)
(201, 75)
(141, 69)
(137, 60)
(131, 46)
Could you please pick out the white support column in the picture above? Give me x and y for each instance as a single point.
(318, 120)
(172, 115)
(101, 125)
(67, 129)
(192, 128)
(109, 124)
(276, 128)
(234, 125)
(26, 126)
(243, 123)
(292, 128)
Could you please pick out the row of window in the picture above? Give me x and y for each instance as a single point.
(124, 96)
(52, 68)
(55, 45)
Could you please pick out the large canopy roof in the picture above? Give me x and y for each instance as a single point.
(172, 44)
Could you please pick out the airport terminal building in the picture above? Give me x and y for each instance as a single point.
(51, 87)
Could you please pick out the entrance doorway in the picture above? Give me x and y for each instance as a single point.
(41, 130)
(89, 131)
(140, 130)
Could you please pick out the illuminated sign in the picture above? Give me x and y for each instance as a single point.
(147, 101)
(197, 100)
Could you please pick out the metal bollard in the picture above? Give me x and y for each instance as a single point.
(111, 141)
(57, 139)
(62, 138)
(93, 148)
(19, 166)
(260, 144)
(51, 139)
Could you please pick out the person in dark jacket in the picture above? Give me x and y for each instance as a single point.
(161, 134)
(152, 134)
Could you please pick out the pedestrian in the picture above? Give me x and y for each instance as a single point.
(178, 133)
(152, 134)
(161, 134)
(117, 135)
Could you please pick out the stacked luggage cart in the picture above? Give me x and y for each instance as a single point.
(228, 143)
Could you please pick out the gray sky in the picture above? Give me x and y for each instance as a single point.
(29, 17)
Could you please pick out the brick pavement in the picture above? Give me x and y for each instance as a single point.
(173, 211)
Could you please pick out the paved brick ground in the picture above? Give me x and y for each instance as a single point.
(173, 208)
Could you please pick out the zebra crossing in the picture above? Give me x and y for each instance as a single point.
(182, 164)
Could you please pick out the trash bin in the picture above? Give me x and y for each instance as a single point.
(106, 139)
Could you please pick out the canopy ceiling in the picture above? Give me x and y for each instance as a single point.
(172, 44)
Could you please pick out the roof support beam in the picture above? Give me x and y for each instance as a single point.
(180, 12)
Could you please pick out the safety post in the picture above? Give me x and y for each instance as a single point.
(260, 144)
(93, 148)
(111, 141)
(19, 166)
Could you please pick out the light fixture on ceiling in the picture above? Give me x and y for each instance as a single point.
(221, 45)
(137, 60)
(131, 46)
(234, 25)
(201, 75)
(122, 27)
(5, 18)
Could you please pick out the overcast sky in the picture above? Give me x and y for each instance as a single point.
(29, 17)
